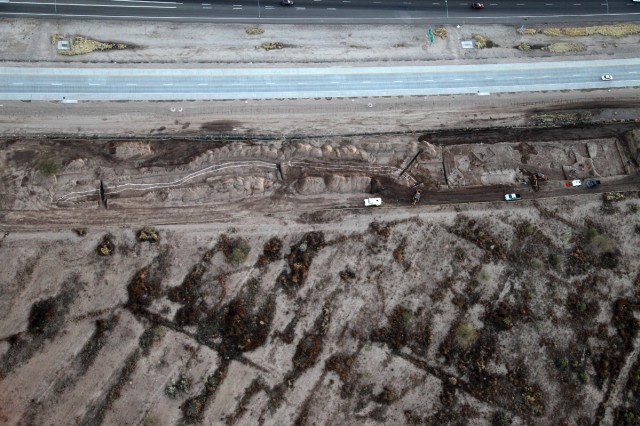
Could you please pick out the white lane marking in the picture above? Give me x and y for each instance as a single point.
(459, 79)
(56, 84)
(95, 5)
(301, 8)
(548, 4)
(17, 84)
(346, 1)
(148, 1)
(397, 81)
(493, 4)
(519, 4)
(575, 75)
(270, 83)
(546, 76)
(168, 84)
(632, 72)
(131, 84)
(577, 4)
(206, 7)
(94, 84)
(203, 84)
(428, 81)
(519, 78)
(331, 8)
(488, 78)
(435, 4)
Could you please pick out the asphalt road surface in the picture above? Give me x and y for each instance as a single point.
(201, 84)
(329, 11)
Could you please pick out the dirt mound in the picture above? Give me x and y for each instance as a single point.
(333, 183)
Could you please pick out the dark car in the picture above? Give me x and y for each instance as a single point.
(286, 3)
(477, 5)
(592, 183)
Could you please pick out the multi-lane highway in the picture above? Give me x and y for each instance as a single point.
(328, 11)
(180, 84)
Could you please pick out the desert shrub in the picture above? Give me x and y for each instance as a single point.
(500, 419)
(484, 277)
(239, 253)
(601, 244)
(48, 168)
(554, 259)
(465, 335)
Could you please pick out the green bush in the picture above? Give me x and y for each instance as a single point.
(48, 168)
(554, 259)
(600, 244)
(465, 335)
(239, 253)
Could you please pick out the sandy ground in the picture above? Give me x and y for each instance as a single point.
(267, 294)
(185, 44)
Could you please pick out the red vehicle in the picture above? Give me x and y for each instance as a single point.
(477, 5)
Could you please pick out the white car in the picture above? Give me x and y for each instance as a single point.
(576, 182)
(368, 202)
(511, 197)
(607, 77)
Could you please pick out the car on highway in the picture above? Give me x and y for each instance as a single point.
(369, 202)
(607, 77)
(512, 197)
(576, 182)
(477, 5)
(286, 3)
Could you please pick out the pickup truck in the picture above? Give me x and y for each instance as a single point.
(368, 202)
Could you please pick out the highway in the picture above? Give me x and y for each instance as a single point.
(329, 11)
(70, 84)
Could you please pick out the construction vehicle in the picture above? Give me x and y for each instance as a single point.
(536, 178)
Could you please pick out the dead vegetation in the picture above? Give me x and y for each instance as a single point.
(617, 30)
(483, 42)
(81, 45)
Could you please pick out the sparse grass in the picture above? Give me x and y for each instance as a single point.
(465, 335)
(527, 31)
(48, 168)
